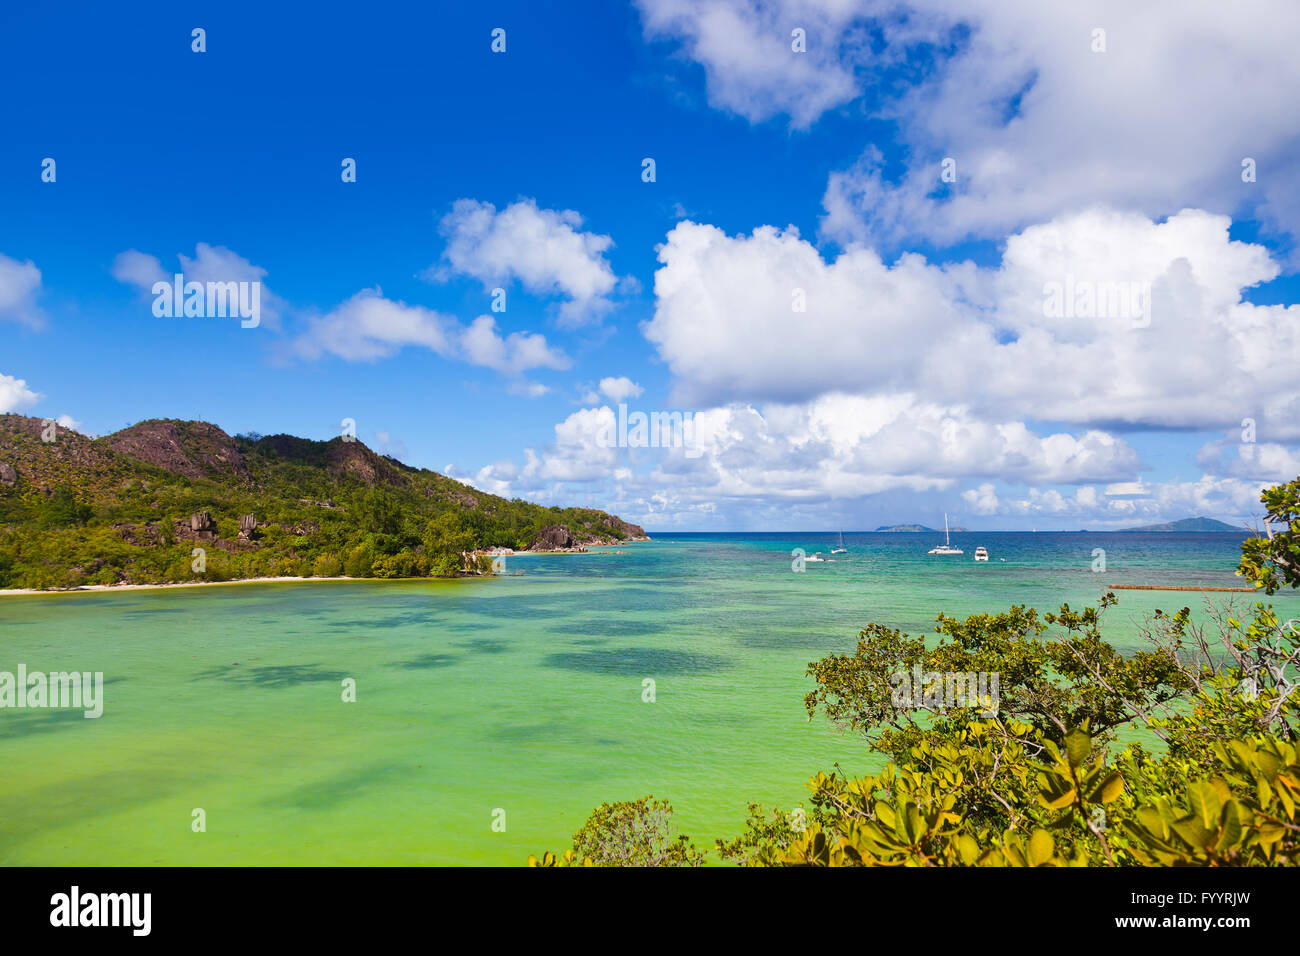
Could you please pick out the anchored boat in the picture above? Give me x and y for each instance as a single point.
(946, 547)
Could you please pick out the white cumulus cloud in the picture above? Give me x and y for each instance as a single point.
(15, 395)
(368, 327)
(619, 389)
(1020, 96)
(546, 250)
(20, 283)
(208, 264)
(1191, 355)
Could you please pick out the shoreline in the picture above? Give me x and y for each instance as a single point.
(101, 588)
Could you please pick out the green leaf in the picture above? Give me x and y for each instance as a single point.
(968, 851)
(1041, 847)
(1231, 828)
(1204, 802)
(1109, 790)
(1191, 832)
(912, 823)
(1078, 745)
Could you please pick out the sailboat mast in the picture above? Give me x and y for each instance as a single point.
(946, 540)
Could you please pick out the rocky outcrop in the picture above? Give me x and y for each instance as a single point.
(247, 525)
(202, 526)
(145, 536)
(8, 477)
(630, 532)
(327, 503)
(355, 460)
(555, 537)
(192, 449)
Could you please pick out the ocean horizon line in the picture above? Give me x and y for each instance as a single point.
(1244, 531)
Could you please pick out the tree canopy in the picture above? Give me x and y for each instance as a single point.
(1049, 773)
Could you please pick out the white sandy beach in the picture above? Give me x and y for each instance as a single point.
(182, 584)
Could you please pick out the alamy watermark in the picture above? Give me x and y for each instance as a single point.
(129, 910)
(660, 429)
(941, 690)
(209, 300)
(81, 690)
(1087, 299)
(1246, 450)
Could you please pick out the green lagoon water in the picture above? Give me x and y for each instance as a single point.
(521, 693)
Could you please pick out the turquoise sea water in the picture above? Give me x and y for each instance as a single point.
(519, 693)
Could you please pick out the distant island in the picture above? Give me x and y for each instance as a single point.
(169, 502)
(916, 527)
(1190, 524)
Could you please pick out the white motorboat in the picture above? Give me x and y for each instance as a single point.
(981, 553)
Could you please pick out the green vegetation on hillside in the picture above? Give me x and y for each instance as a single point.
(1048, 773)
(119, 509)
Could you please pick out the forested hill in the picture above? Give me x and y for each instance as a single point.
(134, 506)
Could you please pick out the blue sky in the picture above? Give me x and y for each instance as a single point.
(922, 376)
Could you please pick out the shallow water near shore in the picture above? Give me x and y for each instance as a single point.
(520, 693)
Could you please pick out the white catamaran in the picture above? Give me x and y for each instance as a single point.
(946, 547)
(841, 549)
